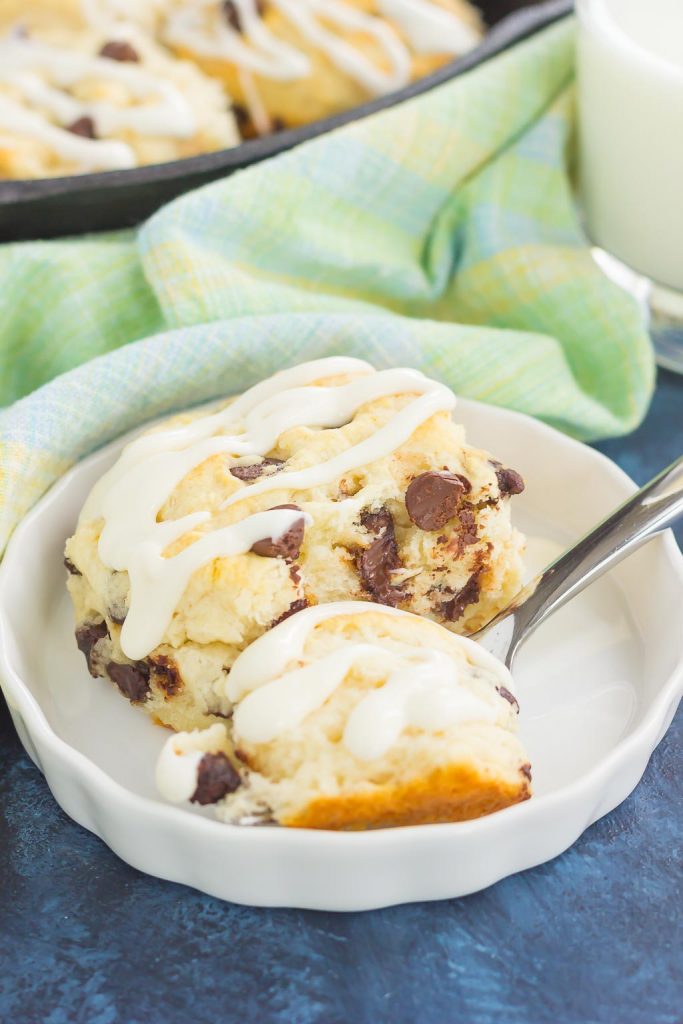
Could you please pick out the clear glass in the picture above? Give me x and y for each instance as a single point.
(630, 91)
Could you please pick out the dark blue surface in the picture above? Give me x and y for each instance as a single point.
(595, 936)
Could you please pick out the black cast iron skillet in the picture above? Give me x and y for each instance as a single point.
(51, 207)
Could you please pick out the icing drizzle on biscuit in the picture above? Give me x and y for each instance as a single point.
(276, 686)
(130, 496)
(181, 755)
(399, 29)
(44, 76)
(427, 28)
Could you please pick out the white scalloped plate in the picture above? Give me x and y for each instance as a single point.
(598, 687)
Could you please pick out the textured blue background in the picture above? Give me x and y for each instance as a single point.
(594, 936)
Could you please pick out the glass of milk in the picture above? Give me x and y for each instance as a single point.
(630, 87)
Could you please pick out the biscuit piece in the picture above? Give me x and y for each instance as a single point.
(329, 481)
(290, 62)
(97, 85)
(351, 717)
(76, 99)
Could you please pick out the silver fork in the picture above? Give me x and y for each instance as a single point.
(652, 509)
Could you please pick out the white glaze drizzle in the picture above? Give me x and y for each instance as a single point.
(267, 55)
(129, 497)
(88, 154)
(428, 28)
(105, 15)
(176, 772)
(158, 583)
(306, 15)
(178, 763)
(385, 440)
(256, 108)
(43, 75)
(423, 686)
(183, 438)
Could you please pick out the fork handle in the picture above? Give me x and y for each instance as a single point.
(652, 509)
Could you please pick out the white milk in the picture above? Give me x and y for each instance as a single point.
(631, 131)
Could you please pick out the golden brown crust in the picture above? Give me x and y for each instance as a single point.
(452, 793)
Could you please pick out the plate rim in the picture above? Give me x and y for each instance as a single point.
(640, 741)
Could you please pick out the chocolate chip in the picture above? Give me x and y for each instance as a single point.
(525, 769)
(433, 498)
(278, 125)
(87, 636)
(378, 521)
(376, 562)
(249, 473)
(295, 606)
(452, 610)
(509, 481)
(71, 568)
(84, 126)
(288, 545)
(166, 675)
(468, 527)
(509, 697)
(232, 13)
(119, 49)
(216, 777)
(464, 533)
(132, 680)
(463, 479)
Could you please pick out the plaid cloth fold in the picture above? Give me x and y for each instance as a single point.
(440, 234)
